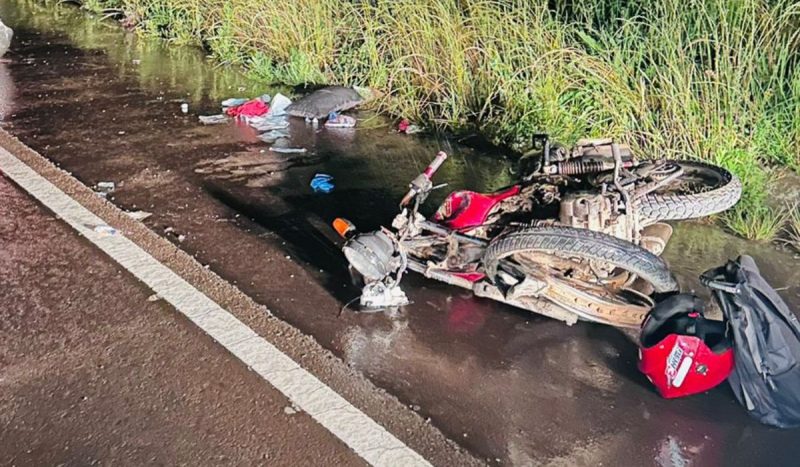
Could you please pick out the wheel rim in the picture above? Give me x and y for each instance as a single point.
(606, 296)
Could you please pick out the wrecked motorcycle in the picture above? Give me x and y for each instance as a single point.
(578, 237)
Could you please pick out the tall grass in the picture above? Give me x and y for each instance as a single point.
(793, 229)
(710, 79)
(761, 222)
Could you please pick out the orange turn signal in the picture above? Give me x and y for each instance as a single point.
(343, 227)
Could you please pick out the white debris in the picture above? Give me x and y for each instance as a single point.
(213, 119)
(139, 215)
(105, 187)
(287, 150)
(105, 230)
(6, 34)
(278, 105)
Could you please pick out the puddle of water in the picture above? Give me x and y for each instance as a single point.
(520, 387)
(157, 67)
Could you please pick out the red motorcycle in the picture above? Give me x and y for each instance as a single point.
(579, 237)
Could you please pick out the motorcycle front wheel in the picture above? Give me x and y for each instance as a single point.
(567, 259)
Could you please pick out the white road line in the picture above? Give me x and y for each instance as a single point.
(362, 434)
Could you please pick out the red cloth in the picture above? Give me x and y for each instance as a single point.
(403, 125)
(252, 108)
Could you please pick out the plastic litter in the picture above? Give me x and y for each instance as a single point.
(185, 108)
(138, 215)
(213, 119)
(408, 128)
(283, 150)
(234, 102)
(6, 34)
(278, 105)
(340, 121)
(105, 187)
(272, 136)
(268, 123)
(322, 183)
(105, 230)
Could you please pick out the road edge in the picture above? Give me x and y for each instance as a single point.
(385, 409)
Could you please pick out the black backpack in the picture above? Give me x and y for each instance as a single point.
(766, 338)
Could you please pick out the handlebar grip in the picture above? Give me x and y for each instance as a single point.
(423, 179)
(441, 156)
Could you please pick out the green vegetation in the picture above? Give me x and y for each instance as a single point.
(712, 79)
(756, 222)
(793, 229)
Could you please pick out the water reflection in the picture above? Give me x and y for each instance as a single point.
(155, 65)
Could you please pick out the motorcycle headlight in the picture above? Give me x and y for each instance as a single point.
(371, 255)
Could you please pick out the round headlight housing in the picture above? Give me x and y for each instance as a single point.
(371, 254)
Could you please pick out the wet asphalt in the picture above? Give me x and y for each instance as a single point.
(507, 385)
(95, 369)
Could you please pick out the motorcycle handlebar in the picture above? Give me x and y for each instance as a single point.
(441, 156)
(427, 174)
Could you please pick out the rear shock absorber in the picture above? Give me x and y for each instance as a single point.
(584, 167)
(579, 167)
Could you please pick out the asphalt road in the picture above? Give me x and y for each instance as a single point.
(95, 369)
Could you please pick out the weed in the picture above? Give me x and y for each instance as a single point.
(756, 223)
(793, 229)
(710, 79)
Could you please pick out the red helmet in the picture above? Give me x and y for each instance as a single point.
(681, 352)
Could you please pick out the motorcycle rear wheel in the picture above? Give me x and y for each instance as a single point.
(703, 190)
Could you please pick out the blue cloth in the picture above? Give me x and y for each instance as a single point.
(322, 183)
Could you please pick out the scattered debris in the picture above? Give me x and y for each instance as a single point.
(154, 298)
(284, 150)
(268, 123)
(136, 61)
(6, 34)
(340, 121)
(105, 230)
(279, 105)
(408, 128)
(290, 410)
(273, 136)
(322, 183)
(252, 108)
(213, 119)
(320, 103)
(185, 108)
(234, 102)
(138, 215)
(104, 188)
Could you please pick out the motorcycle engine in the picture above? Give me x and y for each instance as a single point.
(597, 212)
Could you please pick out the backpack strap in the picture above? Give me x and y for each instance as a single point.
(719, 279)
